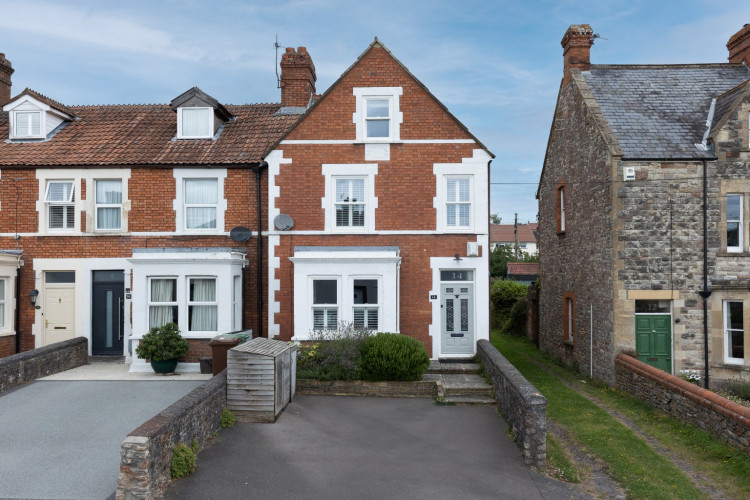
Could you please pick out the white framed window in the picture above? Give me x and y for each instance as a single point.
(236, 303)
(561, 216)
(162, 301)
(325, 304)
(108, 200)
(734, 332)
(735, 232)
(3, 302)
(349, 200)
(27, 124)
(202, 305)
(458, 202)
(366, 310)
(378, 117)
(201, 203)
(60, 200)
(195, 123)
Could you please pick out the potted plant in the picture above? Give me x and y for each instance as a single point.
(163, 345)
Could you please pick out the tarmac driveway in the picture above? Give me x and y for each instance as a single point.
(62, 439)
(337, 447)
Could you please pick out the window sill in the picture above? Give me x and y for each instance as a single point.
(569, 342)
(7, 333)
(727, 365)
(732, 254)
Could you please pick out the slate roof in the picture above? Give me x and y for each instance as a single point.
(503, 233)
(145, 135)
(660, 112)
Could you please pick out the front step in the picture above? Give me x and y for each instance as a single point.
(437, 366)
(469, 400)
(465, 385)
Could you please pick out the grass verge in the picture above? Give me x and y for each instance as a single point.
(561, 466)
(641, 471)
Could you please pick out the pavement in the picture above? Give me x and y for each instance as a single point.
(327, 447)
(60, 436)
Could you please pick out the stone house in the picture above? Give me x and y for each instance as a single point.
(116, 218)
(382, 214)
(630, 260)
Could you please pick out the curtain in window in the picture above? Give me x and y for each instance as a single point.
(2, 303)
(203, 318)
(162, 290)
(201, 192)
(195, 122)
(108, 192)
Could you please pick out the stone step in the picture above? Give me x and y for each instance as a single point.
(469, 400)
(465, 385)
(442, 367)
(468, 391)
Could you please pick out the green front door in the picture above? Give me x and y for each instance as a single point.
(653, 340)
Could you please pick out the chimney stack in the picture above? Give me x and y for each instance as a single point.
(739, 46)
(297, 77)
(6, 69)
(576, 44)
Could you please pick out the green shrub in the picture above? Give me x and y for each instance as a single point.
(391, 356)
(162, 343)
(515, 323)
(183, 460)
(227, 418)
(332, 355)
(503, 294)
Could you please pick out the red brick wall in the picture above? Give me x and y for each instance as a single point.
(7, 346)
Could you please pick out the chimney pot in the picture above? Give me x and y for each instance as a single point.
(576, 44)
(739, 46)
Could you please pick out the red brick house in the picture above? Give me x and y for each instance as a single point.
(117, 218)
(378, 212)
(643, 224)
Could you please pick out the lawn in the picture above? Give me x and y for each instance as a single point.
(641, 471)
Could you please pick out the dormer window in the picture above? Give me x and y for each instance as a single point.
(199, 116)
(34, 116)
(27, 124)
(195, 123)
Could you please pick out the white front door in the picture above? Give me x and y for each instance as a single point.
(457, 312)
(59, 306)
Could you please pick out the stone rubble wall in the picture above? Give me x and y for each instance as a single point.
(520, 403)
(685, 401)
(27, 366)
(146, 457)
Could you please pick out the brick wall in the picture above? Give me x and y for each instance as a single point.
(685, 401)
(580, 259)
(519, 402)
(146, 455)
(7, 345)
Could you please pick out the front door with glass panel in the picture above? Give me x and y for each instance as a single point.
(457, 314)
(107, 313)
(59, 306)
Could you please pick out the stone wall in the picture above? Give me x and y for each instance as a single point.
(685, 401)
(147, 451)
(30, 365)
(520, 403)
(392, 389)
(577, 260)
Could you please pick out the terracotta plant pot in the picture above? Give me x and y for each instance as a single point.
(164, 366)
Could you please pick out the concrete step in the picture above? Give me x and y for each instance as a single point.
(465, 385)
(469, 400)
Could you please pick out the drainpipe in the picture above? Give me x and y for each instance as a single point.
(258, 169)
(706, 291)
(18, 307)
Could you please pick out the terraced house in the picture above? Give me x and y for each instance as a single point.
(117, 218)
(644, 214)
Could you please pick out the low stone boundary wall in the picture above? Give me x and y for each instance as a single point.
(685, 401)
(418, 389)
(522, 405)
(26, 366)
(146, 455)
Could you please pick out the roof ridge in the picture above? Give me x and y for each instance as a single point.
(668, 66)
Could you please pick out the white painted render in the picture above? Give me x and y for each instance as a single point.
(475, 168)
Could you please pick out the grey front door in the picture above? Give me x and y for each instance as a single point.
(107, 313)
(457, 312)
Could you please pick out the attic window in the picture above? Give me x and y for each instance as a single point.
(27, 124)
(195, 123)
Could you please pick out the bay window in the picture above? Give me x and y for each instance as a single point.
(365, 299)
(202, 305)
(162, 304)
(325, 304)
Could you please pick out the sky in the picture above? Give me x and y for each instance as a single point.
(496, 64)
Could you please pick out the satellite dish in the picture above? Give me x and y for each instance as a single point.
(240, 234)
(283, 222)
